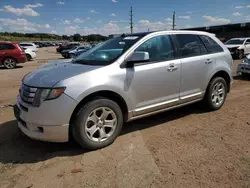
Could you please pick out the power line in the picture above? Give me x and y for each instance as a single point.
(131, 19)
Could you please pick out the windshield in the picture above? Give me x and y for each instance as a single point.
(235, 41)
(107, 52)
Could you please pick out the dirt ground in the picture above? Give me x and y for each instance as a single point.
(187, 147)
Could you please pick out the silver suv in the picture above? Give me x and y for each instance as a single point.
(122, 79)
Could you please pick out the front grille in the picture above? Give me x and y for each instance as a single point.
(27, 93)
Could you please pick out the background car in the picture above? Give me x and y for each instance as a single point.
(244, 67)
(30, 54)
(67, 46)
(75, 52)
(29, 45)
(65, 53)
(11, 54)
(238, 47)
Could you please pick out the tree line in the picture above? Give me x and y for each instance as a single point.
(46, 36)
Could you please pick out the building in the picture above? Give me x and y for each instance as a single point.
(225, 32)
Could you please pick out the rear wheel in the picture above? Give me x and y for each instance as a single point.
(9, 63)
(98, 124)
(28, 57)
(216, 93)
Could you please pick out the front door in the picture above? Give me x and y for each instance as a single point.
(2, 53)
(155, 85)
(247, 46)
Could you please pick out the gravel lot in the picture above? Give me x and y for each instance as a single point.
(187, 147)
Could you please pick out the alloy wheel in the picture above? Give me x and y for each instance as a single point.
(9, 63)
(218, 94)
(100, 124)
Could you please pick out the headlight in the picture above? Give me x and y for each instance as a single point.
(47, 94)
(244, 60)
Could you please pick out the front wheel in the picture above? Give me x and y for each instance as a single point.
(72, 56)
(98, 124)
(216, 93)
(241, 54)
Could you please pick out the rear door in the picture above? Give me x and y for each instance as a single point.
(10, 50)
(197, 66)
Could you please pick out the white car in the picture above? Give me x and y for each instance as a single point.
(30, 45)
(239, 47)
(30, 54)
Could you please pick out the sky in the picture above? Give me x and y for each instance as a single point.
(112, 16)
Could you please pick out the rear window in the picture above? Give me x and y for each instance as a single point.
(211, 45)
(190, 45)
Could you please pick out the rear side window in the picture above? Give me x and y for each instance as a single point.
(211, 45)
(159, 48)
(190, 45)
(6, 47)
(247, 41)
(26, 45)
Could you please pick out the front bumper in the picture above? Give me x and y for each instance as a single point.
(243, 68)
(49, 122)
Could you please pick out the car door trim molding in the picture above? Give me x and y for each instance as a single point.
(162, 110)
(153, 107)
(192, 95)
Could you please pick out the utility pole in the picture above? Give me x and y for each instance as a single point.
(174, 21)
(131, 19)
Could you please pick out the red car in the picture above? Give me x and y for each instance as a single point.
(11, 54)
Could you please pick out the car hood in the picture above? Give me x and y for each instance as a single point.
(48, 76)
(232, 45)
(54, 63)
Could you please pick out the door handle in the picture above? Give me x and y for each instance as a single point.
(208, 61)
(172, 68)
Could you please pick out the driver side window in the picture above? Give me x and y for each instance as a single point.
(159, 48)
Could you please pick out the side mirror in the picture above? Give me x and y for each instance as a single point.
(137, 57)
(247, 43)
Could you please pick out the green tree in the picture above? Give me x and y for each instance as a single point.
(77, 37)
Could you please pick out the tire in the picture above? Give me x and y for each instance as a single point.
(240, 54)
(87, 121)
(9, 63)
(245, 75)
(72, 55)
(28, 57)
(213, 99)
